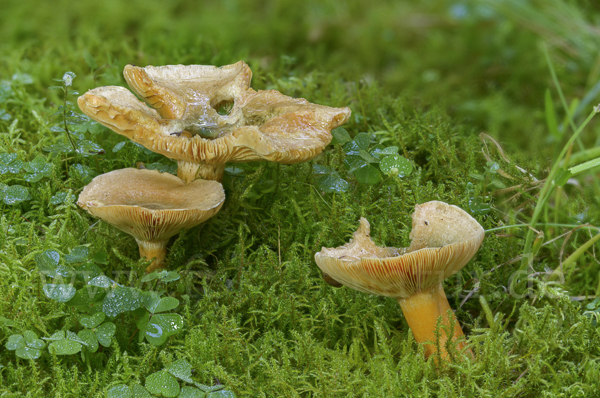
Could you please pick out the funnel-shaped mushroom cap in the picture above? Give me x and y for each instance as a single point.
(260, 125)
(444, 238)
(149, 205)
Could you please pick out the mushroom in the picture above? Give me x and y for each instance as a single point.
(186, 125)
(151, 206)
(443, 240)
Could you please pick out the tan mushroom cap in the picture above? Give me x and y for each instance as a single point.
(443, 240)
(263, 125)
(184, 91)
(149, 205)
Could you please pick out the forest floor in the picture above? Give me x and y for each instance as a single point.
(491, 103)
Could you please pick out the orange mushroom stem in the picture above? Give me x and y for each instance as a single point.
(156, 251)
(422, 311)
(443, 240)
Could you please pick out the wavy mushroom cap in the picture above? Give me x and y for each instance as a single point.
(149, 205)
(188, 91)
(263, 125)
(443, 240)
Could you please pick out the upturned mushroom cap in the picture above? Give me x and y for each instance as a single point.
(187, 92)
(149, 205)
(443, 239)
(263, 125)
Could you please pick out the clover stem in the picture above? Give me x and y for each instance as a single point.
(153, 250)
(66, 91)
(189, 171)
(422, 311)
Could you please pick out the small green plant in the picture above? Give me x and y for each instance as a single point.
(29, 346)
(96, 331)
(165, 383)
(30, 172)
(364, 161)
(155, 325)
(73, 124)
(26, 345)
(78, 132)
(477, 203)
(161, 275)
(593, 311)
(86, 288)
(13, 194)
(490, 176)
(65, 343)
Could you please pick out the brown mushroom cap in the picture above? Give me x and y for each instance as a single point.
(264, 125)
(149, 205)
(444, 238)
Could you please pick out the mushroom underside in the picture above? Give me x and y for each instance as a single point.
(399, 276)
(151, 206)
(443, 240)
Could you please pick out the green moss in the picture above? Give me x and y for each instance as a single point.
(426, 77)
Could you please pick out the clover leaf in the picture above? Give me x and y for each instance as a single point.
(182, 370)
(191, 392)
(123, 391)
(13, 194)
(155, 326)
(119, 391)
(59, 291)
(396, 165)
(65, 343)
(162, 383)
(367, 174)
(329, 180)
(96, 332)
(37, 169)
(340, 135)
(78, 255)
(62, 197)
(26, 346)
(121, 299)
(10, 163)
(163, 275)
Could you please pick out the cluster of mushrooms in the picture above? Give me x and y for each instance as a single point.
(203, 117)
